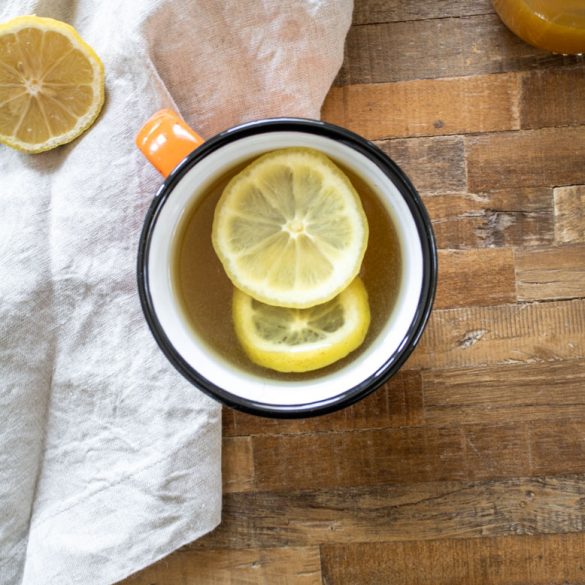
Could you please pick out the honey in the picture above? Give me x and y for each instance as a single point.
(554, 25)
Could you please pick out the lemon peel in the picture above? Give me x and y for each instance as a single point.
(51, 84)
(290, 229)
(302, 340)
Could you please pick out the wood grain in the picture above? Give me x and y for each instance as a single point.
(374, 11)
(399, 512)
(287, 566)
(426, 107)
(461, 396)
(501, 394)
(380, 456)
(466, 45)
(462, 281)
(569, 214)
(398, 403)
(437, 397)
(550, 273)
(558, 447)
(237, 464)
(434, 165)
(553, 98)
(504, 334)
(531, 158)
(519, 217)
(538, 560)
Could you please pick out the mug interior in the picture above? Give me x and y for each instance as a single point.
(212, 366)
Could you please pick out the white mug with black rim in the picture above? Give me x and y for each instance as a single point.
(190, 165)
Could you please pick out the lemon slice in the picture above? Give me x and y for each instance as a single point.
(290, 229)
(301, 340)
(51, 84)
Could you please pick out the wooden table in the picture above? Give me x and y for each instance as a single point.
(469, 466)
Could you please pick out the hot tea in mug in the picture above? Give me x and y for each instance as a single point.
(205, 292)
(202, 305)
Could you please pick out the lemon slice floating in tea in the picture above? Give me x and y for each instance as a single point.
(290, 229)
(301, 340)
(51, 84)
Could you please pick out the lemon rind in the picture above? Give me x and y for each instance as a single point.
(313, 356)
(84, 122)
(292, 298)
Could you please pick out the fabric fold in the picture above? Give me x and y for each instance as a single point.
(109, 459)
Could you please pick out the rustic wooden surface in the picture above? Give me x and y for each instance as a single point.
(469, 466)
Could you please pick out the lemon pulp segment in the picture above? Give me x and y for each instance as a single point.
(51, 83)
(290, 229)
(301, 340)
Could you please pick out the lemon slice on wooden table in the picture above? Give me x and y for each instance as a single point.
(290, 229)
(51, 84)
(301, 340)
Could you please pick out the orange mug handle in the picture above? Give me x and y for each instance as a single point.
(165, 140)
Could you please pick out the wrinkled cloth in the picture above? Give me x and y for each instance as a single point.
(109, 459)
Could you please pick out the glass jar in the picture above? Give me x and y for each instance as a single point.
(553, 25)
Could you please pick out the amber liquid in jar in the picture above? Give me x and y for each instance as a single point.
(553, 25)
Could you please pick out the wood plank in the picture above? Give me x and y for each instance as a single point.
(569, 213)
(286, 566)
(441, 47)
(382, 456)
(531, 158)
(553, 98)
(237, 464)
(521, 217)
(414, 511)
(505, 334)
(434, 165)
(463, 282)
(398, 403)
(501, 394)
(542, 391)
(426, 107)
(557, 447)
(373, 11)
(550, 273)
(538, 560)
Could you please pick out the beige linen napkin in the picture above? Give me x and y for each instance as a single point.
(109, 459)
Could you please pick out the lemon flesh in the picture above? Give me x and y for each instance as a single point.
(290, 229)
(51, 84)
(301, 340)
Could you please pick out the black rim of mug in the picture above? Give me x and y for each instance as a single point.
(429, 253)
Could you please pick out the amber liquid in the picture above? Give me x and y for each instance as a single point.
(204, 291)
(554, 25)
